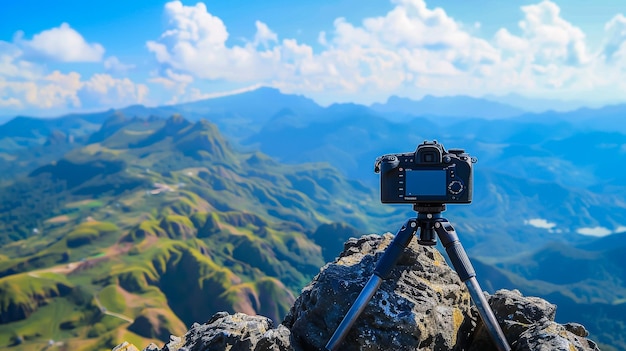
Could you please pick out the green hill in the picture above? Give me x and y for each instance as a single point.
(153, 225)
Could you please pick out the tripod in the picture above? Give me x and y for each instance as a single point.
(429, 221)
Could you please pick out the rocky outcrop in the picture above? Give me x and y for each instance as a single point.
(528, 324)
(423, 306)
(237, 332)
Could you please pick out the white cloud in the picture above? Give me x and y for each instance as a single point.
(104, 90)
(10, 102)
(540, 223)
(167, 83)
(12, 67)
(194, 46)
(614, 49)
(25, 85)
(53, 90)
(553, 39)
(598, 231)
(595, 231)
(58, 90)
(412, 50)
(28, 85)
(113, 64)
(620, 229)
(374, 56)
(62, 44)
(177, 84)
(194, 41)
(197, 95)
(264, 36)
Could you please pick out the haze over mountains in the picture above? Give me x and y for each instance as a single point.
(572, 154)
(277, 170)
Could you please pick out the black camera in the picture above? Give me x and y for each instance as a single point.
(430, 175)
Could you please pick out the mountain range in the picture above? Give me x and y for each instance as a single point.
(243, 198)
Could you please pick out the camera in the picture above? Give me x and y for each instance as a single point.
(430, 175)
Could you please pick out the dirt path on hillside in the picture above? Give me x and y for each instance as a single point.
(112, 314)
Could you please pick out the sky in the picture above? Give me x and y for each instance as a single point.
(69, 56)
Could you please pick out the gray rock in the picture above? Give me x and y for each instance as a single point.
(552, 336)
(576, 329)
(151, 347)
(125, 346)
(278, 339)
(528, 324)
(238, 331)
(423, 306)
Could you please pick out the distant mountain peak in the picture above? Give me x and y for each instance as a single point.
(256, 106)
(174, 124)
(176, 118)
(447, 106)
(264, 90)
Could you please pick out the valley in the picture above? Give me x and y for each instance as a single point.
(133, 224)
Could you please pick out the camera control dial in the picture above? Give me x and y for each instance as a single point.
(455, 187)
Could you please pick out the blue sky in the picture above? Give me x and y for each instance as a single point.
(64, 56)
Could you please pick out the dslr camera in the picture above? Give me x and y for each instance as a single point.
(429, 176)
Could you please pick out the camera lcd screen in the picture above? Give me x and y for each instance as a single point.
(425, 183)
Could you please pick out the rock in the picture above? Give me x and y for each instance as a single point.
(238, 331)
(576, 329)
(151, 347)
(175, 343)
(528, 324)
(422, 306)
(552, 337)
(125, 346)
(278, 339)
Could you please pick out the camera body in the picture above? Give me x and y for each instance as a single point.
(430, 175)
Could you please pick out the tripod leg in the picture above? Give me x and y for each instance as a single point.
(383, 268)
(465, 270)
(355, 311)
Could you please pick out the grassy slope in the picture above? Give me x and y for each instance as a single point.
(205, 230)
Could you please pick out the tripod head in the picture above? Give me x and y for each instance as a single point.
(427, 216)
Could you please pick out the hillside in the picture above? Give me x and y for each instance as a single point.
(150, 217)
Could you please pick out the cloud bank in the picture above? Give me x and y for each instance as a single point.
(551, 227)
(540, 223)
(26, 83)
(600, 231)
(412, 50)
(62, 44)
